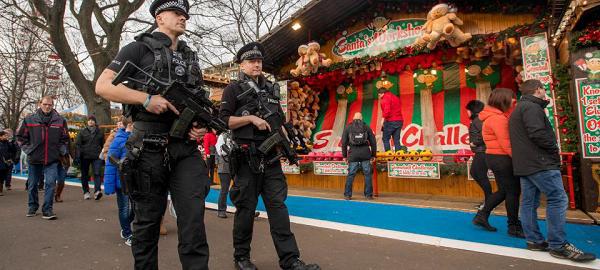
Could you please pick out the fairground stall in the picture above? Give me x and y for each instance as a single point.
(332, 56)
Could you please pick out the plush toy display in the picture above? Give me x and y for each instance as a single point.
(303, 106)
(442, 25)
(309, 60)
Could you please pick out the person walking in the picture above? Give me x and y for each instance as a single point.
(536, 160)
(112, 180)
(479, 168)
(7, 159)
(89, 144)
(12, 144)
(43, 136)
(498, 158)
(224, 139)
(359, 148)
(209, 141)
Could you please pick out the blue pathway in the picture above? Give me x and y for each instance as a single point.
(432, 222)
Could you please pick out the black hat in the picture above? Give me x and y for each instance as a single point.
(252, 50)
(92, 117)
(159, 6)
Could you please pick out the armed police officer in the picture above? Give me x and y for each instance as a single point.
(159, 162)
(250, 106)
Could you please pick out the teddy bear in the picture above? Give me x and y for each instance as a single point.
(498, 53)
(302, 62)
(442, 23)
(462, 54)
(316, 58)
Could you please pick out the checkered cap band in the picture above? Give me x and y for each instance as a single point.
(171, 5)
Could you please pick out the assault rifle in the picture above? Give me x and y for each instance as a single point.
(192, 103)
(280, 140)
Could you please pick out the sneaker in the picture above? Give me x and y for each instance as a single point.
(370, 198)
(516, 231)
(347, 198)
(128, 241)
(256, 214)
(543, 246)
(122, 235)
(8, 188)
(221, 214)
(569, 251)
(31, 213)
(244, 264)
(300, 265)
(49, 216)
(86, 196)
(97, 195)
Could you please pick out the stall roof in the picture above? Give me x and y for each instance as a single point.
(315, 18)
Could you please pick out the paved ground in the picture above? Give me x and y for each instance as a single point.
(86, 236)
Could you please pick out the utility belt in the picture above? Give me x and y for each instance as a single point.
(248, 152)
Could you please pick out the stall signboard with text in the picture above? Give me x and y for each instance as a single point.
(425, 170)
(588, 97)
(339, 168)
(289, 169)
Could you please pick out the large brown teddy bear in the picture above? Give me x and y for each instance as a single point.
(302, 62)
(316, 58)
(442, 23)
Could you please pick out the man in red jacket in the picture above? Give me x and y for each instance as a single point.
(209, 142)
(391, 108)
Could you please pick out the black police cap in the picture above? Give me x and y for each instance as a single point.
(252, 50)
(159, 6)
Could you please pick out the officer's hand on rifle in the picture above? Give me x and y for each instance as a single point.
(261, 124)
(196, 132)
(157, 104)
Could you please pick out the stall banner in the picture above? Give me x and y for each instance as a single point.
(283, 95)
(289, 169)
(339, 168)
(380, 36)
(588, 97)
(490, 174)
(451, 92)
(424, 170)
(536, 65)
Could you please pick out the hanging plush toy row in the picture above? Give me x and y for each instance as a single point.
(303, 105)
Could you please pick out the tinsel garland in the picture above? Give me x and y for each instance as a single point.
(567, 121)
(588, 37)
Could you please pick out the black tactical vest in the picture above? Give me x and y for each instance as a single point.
(165, 67)
(259, 99)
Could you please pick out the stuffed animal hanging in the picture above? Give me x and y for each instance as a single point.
(442, 23)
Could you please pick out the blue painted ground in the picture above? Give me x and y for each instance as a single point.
(433, 222)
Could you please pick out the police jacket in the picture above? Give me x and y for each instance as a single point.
(357, 153)
(43, 137)
(89, 143)
(152, 53)
(241, 98)
(475, 136)
(532, 138)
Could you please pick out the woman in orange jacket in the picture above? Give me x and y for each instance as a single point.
(498, 158)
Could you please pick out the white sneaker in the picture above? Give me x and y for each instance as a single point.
(128, 241)
(86, 196)
(122, 235)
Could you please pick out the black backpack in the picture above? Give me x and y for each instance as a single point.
(358, 134)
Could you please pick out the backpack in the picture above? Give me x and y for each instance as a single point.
(358, 134)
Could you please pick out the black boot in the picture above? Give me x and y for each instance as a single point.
(244, 264)
(516, 230)
(300, 265)
(481, 220)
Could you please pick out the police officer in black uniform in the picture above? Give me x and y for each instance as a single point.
(161, 163)
(250, 106)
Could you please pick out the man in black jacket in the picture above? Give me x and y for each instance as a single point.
(17, 153)
(363, 149)
(536, 159)
(43, 137)
(89, 144)
(7, 159)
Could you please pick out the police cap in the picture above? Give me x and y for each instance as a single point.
(252, 50)
(159, 6)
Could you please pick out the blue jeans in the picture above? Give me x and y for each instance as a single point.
(50, 172)
(392, 130)
(85, 177)
(61, 174)
(352, 169)
(550, 183)
(125, 213)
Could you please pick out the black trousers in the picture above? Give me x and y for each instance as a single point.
(479, 171)
(96, 165)
(272, 185)
(188, 184)
(210, 163)
(225, 179)
(509, 187)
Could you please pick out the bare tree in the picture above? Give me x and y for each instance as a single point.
(220, 27)
(21, 72)
(98, 26)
